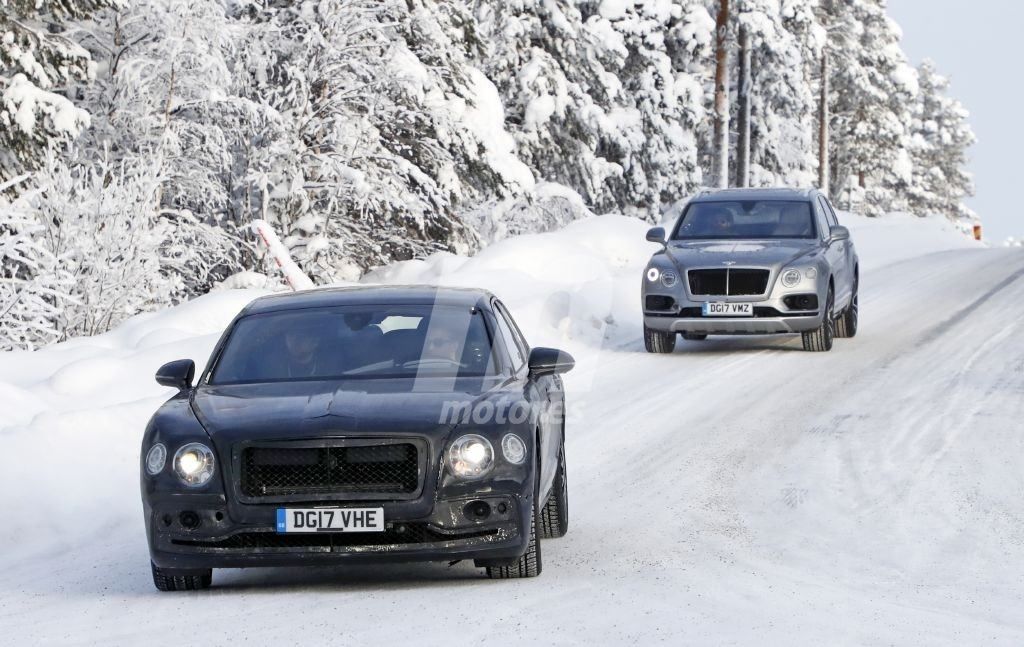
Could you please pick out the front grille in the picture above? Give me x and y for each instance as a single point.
(400, 534)
(728, 282)
(282, 471)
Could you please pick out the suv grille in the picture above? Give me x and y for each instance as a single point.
(728, 282)
(275, 471)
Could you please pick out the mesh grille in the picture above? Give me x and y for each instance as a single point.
(728, 282)
(285, 471)
(409, 533)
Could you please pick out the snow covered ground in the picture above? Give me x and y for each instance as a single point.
(737, 491)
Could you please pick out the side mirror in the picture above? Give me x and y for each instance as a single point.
(656, 235)
(548, 361)
(177, 374)
(839, 233)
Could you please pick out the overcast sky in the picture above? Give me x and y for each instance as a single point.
(977, 45)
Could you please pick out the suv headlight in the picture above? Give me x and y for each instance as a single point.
(194, 464)
(791, 278)
(470, 456)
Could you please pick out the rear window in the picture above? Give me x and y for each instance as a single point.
(746, 219)
(372, 341)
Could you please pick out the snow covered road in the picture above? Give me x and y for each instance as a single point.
(736, 491)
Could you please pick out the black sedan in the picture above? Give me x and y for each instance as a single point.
(369, 424)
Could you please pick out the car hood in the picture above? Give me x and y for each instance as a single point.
(292, 410)
(758, 253)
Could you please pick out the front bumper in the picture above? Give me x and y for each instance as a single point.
(758, 325)
(221, 541)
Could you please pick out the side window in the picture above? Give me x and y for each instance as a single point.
(830, 213)
(513, 345)
(821, 214)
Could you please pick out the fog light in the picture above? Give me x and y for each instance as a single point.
(477, 510)
(189, 520)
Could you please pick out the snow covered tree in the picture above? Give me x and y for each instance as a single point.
(940, 139)
(38, 60)
(872, 87)
(785, 41)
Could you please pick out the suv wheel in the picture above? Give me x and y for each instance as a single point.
(657, 341)
(846, 325)
(166, 580)
(820, 339)
(554, 516)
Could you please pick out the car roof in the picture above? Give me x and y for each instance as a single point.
(368, 295)
(721, 195)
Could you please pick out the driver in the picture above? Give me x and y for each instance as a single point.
(302, 343)
(445, 338)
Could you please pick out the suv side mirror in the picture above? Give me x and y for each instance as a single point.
(177, 374)
(549, 361)
(656, 235)
(839, 233)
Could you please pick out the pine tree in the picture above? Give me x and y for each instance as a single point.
(940, 139)
(38, 61)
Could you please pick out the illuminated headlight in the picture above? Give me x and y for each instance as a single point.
(653, 274)
(155, 459)
(194, 464)
(668, 279)
(791, 278)
(470, 456)
(513, 449)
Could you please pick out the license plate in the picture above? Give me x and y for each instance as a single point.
(720, 309)
(330, 520)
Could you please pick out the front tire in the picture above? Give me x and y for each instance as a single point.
(846, 325)
(820, 339)
(555, 514)
(529, 565)
(166, 580)
(657, 341)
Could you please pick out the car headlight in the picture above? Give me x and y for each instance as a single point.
(653, 274)
(791, 278)
(513, 449)
(156, 458)
(470, 456)
(194, 464)
(811, 273)
(668, 279)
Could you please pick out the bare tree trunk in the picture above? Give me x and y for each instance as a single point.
(720, 155)
(824, 172)
(743, 146)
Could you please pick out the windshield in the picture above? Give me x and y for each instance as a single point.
(746, 219)
(367, 341)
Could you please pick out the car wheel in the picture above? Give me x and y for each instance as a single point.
(820, 339)
(657, 341)
(529, 565)
(167, 580)
(555, 514)
(846, 325)
(694, 336)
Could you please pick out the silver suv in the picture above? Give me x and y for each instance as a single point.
(752, 262)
